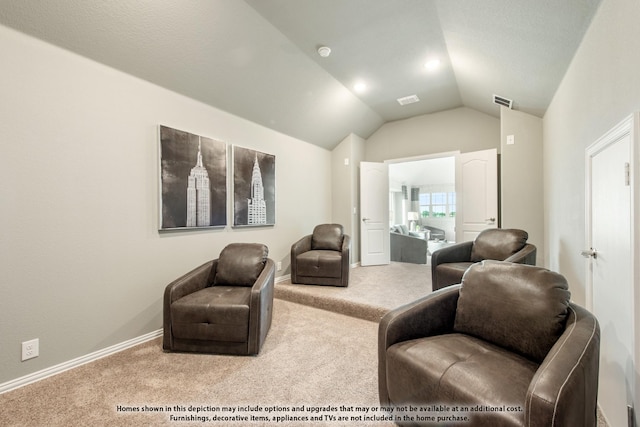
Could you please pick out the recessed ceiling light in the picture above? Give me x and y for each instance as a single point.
(432, 64)
(360, 87)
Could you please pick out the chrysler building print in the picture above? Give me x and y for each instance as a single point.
(257, 207)
(198, 194)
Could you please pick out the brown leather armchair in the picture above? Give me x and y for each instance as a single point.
(322, 258)
(502, 244)
(506, 347)
(223, 306)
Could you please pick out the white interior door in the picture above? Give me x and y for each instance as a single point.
(374, 211)
(476, 193)
(610, 277)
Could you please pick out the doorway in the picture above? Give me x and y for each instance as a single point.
(473, 204)
(422, 195)
(611, 271)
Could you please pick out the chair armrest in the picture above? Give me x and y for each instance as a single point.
(260, 306)
(564, 389)
(189, 283)
(526, 255)
(460, 252)
(346, 245)
(299, 247)
(431, 315)
(264, 281)
(346, 259)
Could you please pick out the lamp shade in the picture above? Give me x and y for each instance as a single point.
(413, 216)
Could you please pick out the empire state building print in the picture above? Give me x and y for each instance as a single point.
(193, 180)
(254, 196)
(198, 194)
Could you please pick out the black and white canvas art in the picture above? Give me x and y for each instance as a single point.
(193, 175)
(254, 188)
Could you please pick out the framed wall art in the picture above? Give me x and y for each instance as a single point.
(193, 180)
(254, 188)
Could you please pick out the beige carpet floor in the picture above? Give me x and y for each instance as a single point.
(312, 358)
(372, 290)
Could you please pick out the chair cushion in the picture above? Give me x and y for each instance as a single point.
(217, 313)
(519, 307)
(450, 273)
(498, 244)
(320, 264)
(327, 237)
(240, 264)
(459, 368)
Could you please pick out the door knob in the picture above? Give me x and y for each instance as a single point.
(365, 219)
(590, 253)
(490, 220)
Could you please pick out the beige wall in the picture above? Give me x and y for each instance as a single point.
(461, 129)
(521, 176)
(600, 89)
(345, 161)
(83, 266)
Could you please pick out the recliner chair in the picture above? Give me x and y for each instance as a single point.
(507, 342)
(322, 258)
(501, 244)
(224, 306)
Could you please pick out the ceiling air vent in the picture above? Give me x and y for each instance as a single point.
(408, 100)
(502, 101)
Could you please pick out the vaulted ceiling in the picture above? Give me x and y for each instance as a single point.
(258, 59)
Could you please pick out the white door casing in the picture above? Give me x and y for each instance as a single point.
(477, 193)
(610, 271)
(374, 211)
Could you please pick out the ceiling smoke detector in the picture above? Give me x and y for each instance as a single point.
(500, 100)
(408, 100)
(324, 51)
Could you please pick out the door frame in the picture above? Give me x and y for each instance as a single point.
(423, 157)
(629, 126)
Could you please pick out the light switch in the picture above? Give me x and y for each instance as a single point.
(511, 139)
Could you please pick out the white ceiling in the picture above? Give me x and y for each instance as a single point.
(258, 59)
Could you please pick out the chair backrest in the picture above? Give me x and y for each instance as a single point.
(519, 307)
(240, 264)
(498, 244)
(327, 237)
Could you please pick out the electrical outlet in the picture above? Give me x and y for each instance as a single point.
(30, 349)
(279, 265)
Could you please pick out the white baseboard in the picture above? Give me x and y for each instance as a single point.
(65, 366)
(282, 278)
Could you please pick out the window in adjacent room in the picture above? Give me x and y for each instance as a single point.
(438, 204)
